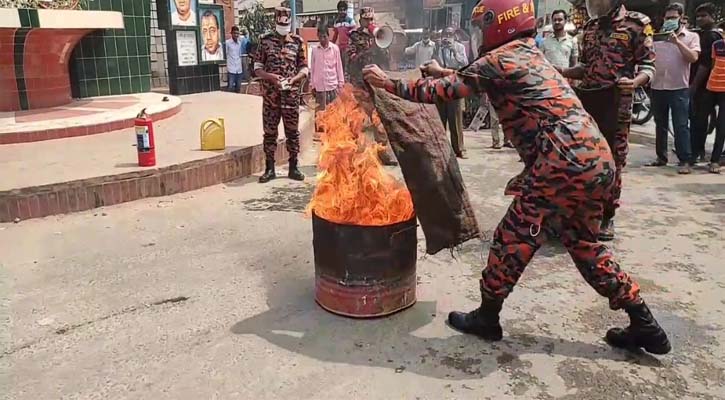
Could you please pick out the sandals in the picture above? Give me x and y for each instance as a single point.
(684, 169)
(714, 168)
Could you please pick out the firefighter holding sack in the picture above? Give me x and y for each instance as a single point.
(567, 179)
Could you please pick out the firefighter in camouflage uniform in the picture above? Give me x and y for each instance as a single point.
(617, 56)
(280, 61)
(567, 179)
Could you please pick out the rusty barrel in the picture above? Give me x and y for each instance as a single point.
(364, 271)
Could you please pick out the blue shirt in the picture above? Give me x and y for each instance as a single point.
(234, 56)
(539, 40)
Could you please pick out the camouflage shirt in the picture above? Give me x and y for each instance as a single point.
(557, 139)
(280, 55)
(360, 53)
(614, 50)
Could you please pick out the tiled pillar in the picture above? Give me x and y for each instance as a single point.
(159, 59)
(115, 61)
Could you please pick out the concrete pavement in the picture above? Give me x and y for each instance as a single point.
(208, 295)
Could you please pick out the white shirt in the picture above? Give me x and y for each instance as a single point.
(453, 55)
(422, 51)
(234, 56)
(175, 20)
(207, 56)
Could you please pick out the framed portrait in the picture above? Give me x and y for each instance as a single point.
(187, 48)
(183, 13)
(211, 34)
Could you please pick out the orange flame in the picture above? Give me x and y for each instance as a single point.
(352, 186)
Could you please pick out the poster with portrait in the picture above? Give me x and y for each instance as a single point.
(211, 34)
(183, 13)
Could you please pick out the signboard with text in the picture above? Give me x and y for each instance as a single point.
(186, 48)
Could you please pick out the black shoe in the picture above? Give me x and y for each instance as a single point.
(269, 173)
(606, 233)
(643, 332)
(482, 322)
(294, 172)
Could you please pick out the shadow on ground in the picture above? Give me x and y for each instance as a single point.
(295, 323)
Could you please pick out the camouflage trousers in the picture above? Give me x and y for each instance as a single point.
(576, 222)
(278, 105)
(612, 111)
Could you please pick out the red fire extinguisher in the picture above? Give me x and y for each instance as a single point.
(145, 145)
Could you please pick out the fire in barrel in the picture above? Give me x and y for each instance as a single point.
(363, 223)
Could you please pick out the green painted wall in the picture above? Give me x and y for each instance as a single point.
(112, 62)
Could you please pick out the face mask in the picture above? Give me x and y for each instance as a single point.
(283, 30)
(671, 25)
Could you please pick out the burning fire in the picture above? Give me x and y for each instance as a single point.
(352, 186)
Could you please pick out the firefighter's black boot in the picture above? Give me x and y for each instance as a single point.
(269, 173)
(643, 332)
(606, 233)
(482, 322)
(294, 172)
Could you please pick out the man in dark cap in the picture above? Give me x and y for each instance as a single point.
(280, 61)
(361, 52)
(616, 58)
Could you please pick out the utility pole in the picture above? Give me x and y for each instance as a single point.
(293, 7)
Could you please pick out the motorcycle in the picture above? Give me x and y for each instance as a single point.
(641, 106)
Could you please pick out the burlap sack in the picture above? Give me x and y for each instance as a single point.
(430, 170)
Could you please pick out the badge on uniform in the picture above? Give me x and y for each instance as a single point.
(620, 36)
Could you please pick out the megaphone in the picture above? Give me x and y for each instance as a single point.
(383, 36)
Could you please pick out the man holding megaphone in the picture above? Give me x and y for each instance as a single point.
(363, 42)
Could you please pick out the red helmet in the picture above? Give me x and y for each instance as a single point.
(502, 20)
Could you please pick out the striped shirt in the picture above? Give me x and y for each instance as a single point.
(716, 82)
(562, 52)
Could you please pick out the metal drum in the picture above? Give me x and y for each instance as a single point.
(364, 271)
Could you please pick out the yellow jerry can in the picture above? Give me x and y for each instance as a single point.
(213, 136)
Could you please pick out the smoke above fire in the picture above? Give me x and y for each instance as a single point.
(353, 187)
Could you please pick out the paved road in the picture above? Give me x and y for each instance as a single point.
(208, 295)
